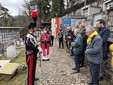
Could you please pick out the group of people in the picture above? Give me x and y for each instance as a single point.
(91, 43)
(81, 41)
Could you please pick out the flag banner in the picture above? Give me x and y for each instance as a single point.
(58, 26)
(53, 26)
(66, 21)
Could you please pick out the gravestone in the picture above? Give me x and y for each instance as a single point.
(1, 48)
(11, 51)
(22, 43)
(18, 42)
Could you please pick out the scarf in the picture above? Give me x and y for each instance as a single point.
(90, 37)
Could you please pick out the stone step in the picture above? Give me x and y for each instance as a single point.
(9, 68)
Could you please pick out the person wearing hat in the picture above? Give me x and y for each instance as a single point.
(94, 54)
(31, 53)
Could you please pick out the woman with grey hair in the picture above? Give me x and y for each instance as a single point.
(94, 54)
(77, 45)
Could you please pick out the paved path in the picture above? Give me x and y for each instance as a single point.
(58, 71)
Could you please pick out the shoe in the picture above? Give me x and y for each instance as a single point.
(90, 82)
(72, 55)
(44, 59)
(47, 59)
(59, 48)
(101, 78)
(73, 68)
(82, 65)
(75, 72)
(36, 78)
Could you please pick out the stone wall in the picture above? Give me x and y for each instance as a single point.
(1, 48)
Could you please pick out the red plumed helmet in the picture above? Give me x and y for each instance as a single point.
(34, 14)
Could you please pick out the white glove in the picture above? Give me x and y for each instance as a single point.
(40, 49)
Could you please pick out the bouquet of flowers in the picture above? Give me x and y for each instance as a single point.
(23, 67)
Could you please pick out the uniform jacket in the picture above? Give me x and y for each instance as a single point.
(30, 43)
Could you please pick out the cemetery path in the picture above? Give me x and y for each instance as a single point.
(58, 70)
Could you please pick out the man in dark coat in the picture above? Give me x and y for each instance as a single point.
(104, 32)
(84, 37)
(69, 37)
(60, 37)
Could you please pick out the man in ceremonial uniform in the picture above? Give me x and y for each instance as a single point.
(31, 54)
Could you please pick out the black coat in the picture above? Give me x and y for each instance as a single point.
(84, 37)
(104, 33)
(70, 33)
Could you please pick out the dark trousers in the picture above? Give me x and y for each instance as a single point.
(52, 40)
(34, 20)
(72, 50)
(103, 66)
(77, 62)
(95, 70)
(82, 58)
(61, 43)
(67, 44)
